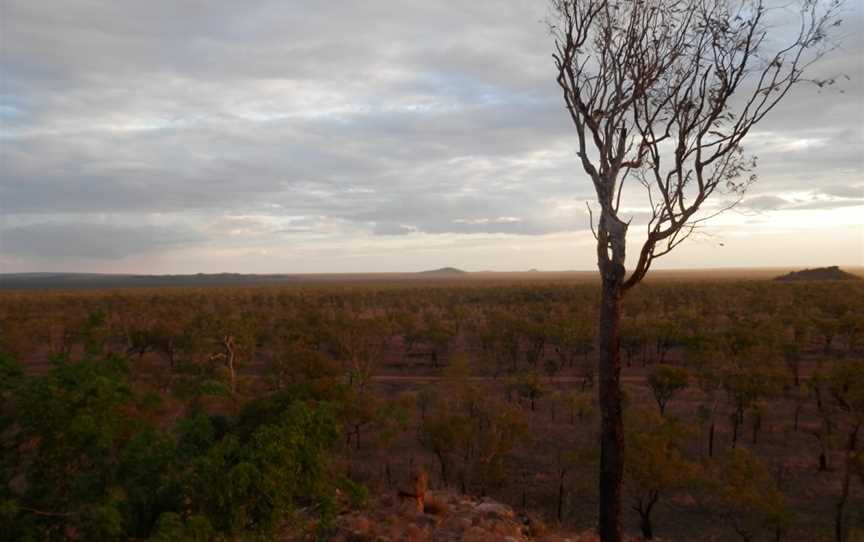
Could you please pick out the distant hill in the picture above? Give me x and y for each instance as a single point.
(820, 273)
(444, 271)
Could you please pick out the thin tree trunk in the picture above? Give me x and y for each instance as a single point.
(757, 425)
(735, 425)
(560, 499)
(711, 439)
(562, 474)
(645, 524)
(646, 528)
(442, 461)
(840, 532)
(644, 508)
(230, 352)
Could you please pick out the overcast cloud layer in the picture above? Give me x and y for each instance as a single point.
(166, 136)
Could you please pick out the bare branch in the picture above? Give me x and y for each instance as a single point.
(648, 85)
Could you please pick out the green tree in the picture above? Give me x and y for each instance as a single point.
(656, 464)
(529, 388)
(749, 498)
(95, 468)
(748, 376)
(442, 434)
(75, 417)
(665, 382)
(846, 388)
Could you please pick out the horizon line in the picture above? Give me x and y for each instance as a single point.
(441, 269)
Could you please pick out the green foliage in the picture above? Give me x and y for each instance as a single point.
(86, 464)
(73, 420)
(10, 372)
(529, 388)
(665, 382)
(442, 434)
(10, 377)
(655, 454)
(846, 385)
(749, 498)
(297, 363)
(655, 464)
(172, 527)
(244, 486)
(494, 439)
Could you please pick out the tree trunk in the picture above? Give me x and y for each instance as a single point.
(230, 352)
(711, 440)
(443, 462)
(645, 525)
(560, 497)
(757, 425)
(735, 425)
(797, 416)
(840, 531)
(612, 426)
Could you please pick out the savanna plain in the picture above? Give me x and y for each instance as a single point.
(271, 411)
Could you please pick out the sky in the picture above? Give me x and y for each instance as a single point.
(298, 137)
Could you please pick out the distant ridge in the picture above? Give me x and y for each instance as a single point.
(820, 273)
(12, 281)
(444, 271)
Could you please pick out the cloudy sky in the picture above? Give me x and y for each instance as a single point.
(290, 136)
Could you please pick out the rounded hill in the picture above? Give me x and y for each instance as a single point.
(820, 273)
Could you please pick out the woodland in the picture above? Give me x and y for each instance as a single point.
(247, 412)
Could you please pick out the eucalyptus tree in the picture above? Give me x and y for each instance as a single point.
(662, 94)
(666, 381)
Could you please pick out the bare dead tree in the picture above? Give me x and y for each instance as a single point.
(649, 87)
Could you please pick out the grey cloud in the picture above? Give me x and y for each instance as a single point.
(388, 117)
(820, 199)
(843, 191)
(59, 240)
(827, 204)
(763, 203)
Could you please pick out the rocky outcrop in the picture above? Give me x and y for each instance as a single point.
(448, 517)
